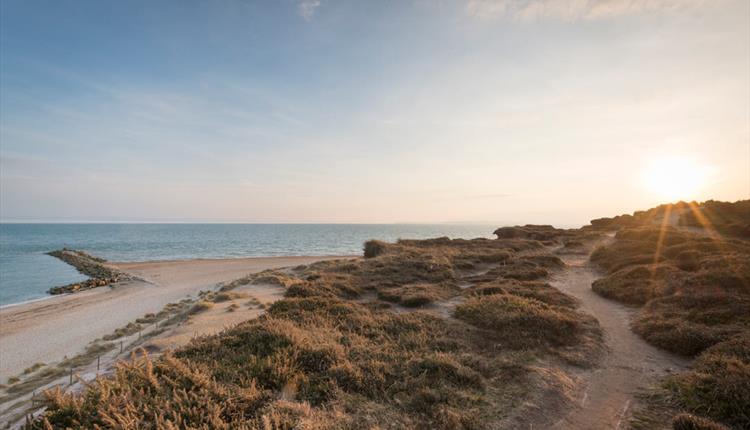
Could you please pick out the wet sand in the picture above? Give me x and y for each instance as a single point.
(47, 330)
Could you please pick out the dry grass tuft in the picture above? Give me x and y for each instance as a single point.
(416, 295)
(201, 306)
(373, 248)
(522, 322)
(718, 386)
(692, 422)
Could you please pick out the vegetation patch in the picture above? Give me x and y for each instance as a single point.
(718, 385)
(225, 296)
(200, 306)
(129, 329)
(521, 321)
(415, 295)
(326, 357)
(536, 290)
(694, 288)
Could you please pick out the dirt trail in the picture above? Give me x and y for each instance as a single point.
(629, 365)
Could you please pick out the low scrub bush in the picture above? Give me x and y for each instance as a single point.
(689, 323)
(718, 386)
(201, 306)
(692, 422)
(415, 295)
(373, 248)
(525, 320)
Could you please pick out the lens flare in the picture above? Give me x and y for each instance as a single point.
(675, 179)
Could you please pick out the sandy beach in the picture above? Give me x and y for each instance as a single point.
(45, 331)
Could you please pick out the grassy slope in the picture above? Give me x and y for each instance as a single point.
(694, 290)
(324, 357)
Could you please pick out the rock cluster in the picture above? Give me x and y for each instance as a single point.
(88, 265)
(85, 285)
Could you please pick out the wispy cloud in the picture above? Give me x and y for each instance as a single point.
(570, 10)
(307, 8)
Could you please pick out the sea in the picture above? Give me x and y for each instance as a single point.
(26, 272)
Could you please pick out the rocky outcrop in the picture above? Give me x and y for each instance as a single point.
(88, 265)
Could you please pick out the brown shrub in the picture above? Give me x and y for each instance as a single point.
(718, 386)
(415, 295)
(226, 296)
(201, 306)
(530, 231)
(518, 271)
(688, 324)
(373, 248)
(534, 290)
(408, 267)
(528, 321)
(640, 283)
(692, 422)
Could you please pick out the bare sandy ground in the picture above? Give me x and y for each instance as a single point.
(45, 331)
(250, 303)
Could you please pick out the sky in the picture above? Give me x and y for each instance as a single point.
(414, 111)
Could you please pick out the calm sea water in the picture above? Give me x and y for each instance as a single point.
(26, 272)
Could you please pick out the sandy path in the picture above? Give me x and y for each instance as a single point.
(629, 365)
(219, 318)
(47, 330)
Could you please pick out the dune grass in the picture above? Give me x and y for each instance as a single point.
(416, 295)
(694, 291)
(521, 321)
(718, 385)
(323, 357)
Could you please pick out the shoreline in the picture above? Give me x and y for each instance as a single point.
(48, 296)
(228, 259)
(26, 302)
(50, 328)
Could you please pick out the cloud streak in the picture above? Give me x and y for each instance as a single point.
(570, 10)
(306, 8)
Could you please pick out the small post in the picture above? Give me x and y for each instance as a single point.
(98, 357)
(120, 347)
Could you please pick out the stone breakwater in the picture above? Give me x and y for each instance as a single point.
(88, 265)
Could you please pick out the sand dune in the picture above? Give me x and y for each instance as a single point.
(48, 330)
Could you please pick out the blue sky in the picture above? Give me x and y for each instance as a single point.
(353, 111)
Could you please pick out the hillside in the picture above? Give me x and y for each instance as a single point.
(465, 334)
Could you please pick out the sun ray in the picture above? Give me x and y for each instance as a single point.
(660, 242)
(705, 222)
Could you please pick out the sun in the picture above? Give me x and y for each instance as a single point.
(675, 179)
